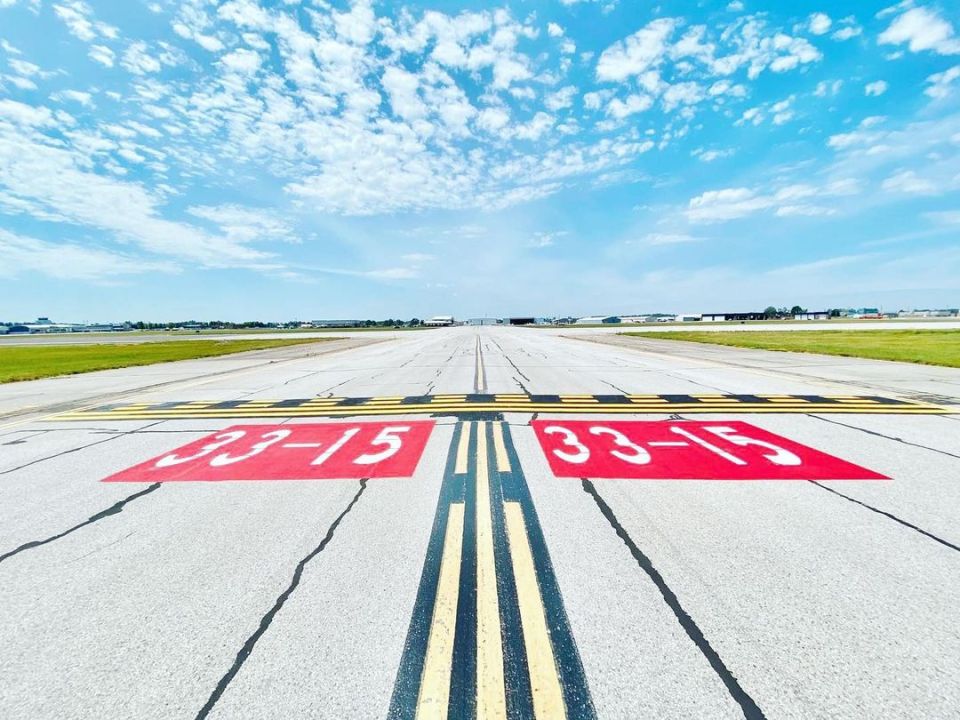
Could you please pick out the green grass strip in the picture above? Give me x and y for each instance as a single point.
(929, 347)
(33, 362)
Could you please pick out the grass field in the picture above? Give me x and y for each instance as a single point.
(31, 363)
(930, 347)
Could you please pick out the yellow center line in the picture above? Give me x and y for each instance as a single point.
(500, 448)
(544, 680)
(434, 698)
(491, 696)
(462, 448)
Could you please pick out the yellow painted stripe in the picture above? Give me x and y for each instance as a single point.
(500, 448)
(462, 448)
(541, 666)
(491, 696)
(435, 682)
(594, 410)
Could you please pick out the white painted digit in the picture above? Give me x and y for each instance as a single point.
(221, 440)
(570, 439)
(267, 439)
(639, 457)
(779, 456)
(387, 437)
(325, 455)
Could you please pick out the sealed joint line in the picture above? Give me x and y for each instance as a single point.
(112, 510)
(480, 373)
(481, 403)
(278, 604)
(751, 711)
(885, 514)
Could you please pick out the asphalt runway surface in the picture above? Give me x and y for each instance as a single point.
(483, 522)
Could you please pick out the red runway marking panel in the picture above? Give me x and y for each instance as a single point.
(684, 450)
(291, 452)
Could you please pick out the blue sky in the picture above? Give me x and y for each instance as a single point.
(308, 159)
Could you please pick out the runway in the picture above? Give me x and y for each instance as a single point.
(483, 522)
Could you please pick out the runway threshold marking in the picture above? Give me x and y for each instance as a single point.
(495, 643)
(483, 403)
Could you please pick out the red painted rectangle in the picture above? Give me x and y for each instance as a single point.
(317, 451)
(684, 450)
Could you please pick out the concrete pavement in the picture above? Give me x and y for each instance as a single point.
(482, 583)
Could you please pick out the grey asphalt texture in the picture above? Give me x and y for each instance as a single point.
(828, 600)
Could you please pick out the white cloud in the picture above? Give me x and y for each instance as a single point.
(69, 261)
(632, 56)
(733, 203)
(78, 96)
(875, 89)
(668, 239)
(554, 30)
(909, 182)
(561, 99)
(246, 225)
(941, 84)
(727, 204)
(819, 23)
(922, 29)
(850, 29)
(825, 88)
(418, 257)
(804, 210)
(241, 61)
(139, 61)
(711, 155)
(632, 104)
(78, 17)
(102, 54)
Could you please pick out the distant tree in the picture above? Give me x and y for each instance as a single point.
(770, 312)
(796, 310)
(415, 322)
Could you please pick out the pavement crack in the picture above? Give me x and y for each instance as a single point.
(514, 365)
(278, 604)
(615, 387)
(78, 449)
(888, 437)
(112, 510)
(750, 709)
(891, 516)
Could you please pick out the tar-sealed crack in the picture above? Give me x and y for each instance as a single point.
(893, 517)
(112, 510)
(268, 618)
(750, 709)
(887, 437)
(78, 449)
